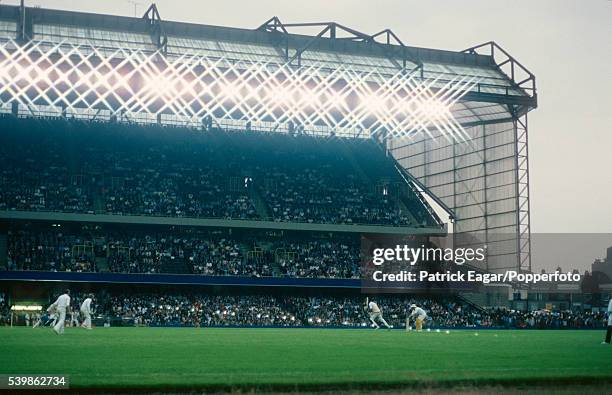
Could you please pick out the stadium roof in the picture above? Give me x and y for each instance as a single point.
(494, 86)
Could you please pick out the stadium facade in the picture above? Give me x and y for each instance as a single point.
(455, 122)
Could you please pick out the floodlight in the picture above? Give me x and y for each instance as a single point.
(335, 100)
(231, 91)
(309, 97)
(281, 95)
(433, 109)
(195, 87)
(374, 103)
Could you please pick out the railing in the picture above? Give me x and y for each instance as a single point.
(243, 220)
(178, 279)
(520, 76)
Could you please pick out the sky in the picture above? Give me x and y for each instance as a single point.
(567, 44)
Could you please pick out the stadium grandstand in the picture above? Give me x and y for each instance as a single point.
(195, 175)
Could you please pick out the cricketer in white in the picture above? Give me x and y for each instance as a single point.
(61, 304)
(419, 314)
(609, 330)
(86, 311)
(376, 314)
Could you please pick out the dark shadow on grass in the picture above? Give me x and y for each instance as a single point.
(471, 385)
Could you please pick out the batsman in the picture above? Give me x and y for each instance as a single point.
(375, 314)
(419, 315)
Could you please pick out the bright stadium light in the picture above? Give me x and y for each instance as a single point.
(309, 98)
(374, 103)
(231, 91)
(160, 85)
(281, 95)
(433, 109)
(193, 87)
(335, 100)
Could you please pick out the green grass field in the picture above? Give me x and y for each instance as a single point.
(291, 359)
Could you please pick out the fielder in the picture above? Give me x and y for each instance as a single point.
(376, 314)
(51, 315)
(74, 318)
(86, 312)
(38, 322)
(609, 331)
(62, 303)
(42, 320)
(419, 315)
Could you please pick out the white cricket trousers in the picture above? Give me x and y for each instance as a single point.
(87, 321)
(61, 321)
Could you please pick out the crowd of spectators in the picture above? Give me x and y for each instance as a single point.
(155, 310)
(49, 251)
(38, 177)
(161, 252)
(316, 195)
(333, 311)
(319, 258)
(89, 167)
(162, 183)
(181, 251)
(5, 312)
(543, 319)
